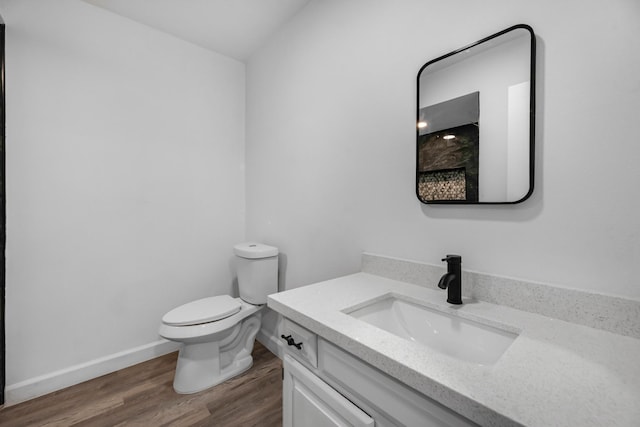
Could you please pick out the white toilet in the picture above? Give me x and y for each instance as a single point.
(217, 333)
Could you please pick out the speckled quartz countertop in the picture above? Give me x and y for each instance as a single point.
(555, 373)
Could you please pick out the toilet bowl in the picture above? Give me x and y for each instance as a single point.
(217, 333)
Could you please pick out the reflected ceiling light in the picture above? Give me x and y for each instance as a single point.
(449, 136)
(422, 125)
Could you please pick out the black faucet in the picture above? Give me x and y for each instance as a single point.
(453, 279)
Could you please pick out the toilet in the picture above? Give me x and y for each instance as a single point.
(217, 333)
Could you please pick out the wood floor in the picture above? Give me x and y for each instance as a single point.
(143, 395)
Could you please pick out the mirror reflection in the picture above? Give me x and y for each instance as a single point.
(475, 122)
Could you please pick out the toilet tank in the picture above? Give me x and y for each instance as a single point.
(257, 266)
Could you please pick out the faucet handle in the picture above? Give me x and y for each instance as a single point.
(456, 259)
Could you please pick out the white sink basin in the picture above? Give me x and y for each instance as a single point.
(447, 333)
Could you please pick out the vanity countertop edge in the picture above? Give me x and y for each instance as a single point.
(555, 373)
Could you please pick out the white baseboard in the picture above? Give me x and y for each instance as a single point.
(44, 384)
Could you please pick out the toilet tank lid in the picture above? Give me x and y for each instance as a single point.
(202, 311)
(253, 250)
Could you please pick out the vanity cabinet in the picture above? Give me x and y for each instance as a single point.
(326, 386)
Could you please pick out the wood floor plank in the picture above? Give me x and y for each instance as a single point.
(143, 395)
(195, 416)
(78, 414)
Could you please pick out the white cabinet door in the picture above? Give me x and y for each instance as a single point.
(310, 402)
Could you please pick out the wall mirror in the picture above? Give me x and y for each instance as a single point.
(475, 122)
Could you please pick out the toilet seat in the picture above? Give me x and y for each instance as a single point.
(204, 310)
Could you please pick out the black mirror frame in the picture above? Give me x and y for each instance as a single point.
(532, 116)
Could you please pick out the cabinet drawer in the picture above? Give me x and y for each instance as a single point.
(396, 401)
(299, 342)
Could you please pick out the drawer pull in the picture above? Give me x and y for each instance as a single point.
(291, 341)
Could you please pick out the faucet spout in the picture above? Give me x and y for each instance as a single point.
(452, 280)
(446, 280)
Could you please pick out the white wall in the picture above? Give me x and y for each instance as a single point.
(125, 181)
(331, 142)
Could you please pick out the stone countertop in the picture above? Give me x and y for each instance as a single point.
(555, 373)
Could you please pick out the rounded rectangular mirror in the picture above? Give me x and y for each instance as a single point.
(475, 122)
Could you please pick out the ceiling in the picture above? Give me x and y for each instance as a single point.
(234, 28)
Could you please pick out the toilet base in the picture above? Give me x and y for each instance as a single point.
(203, 365)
